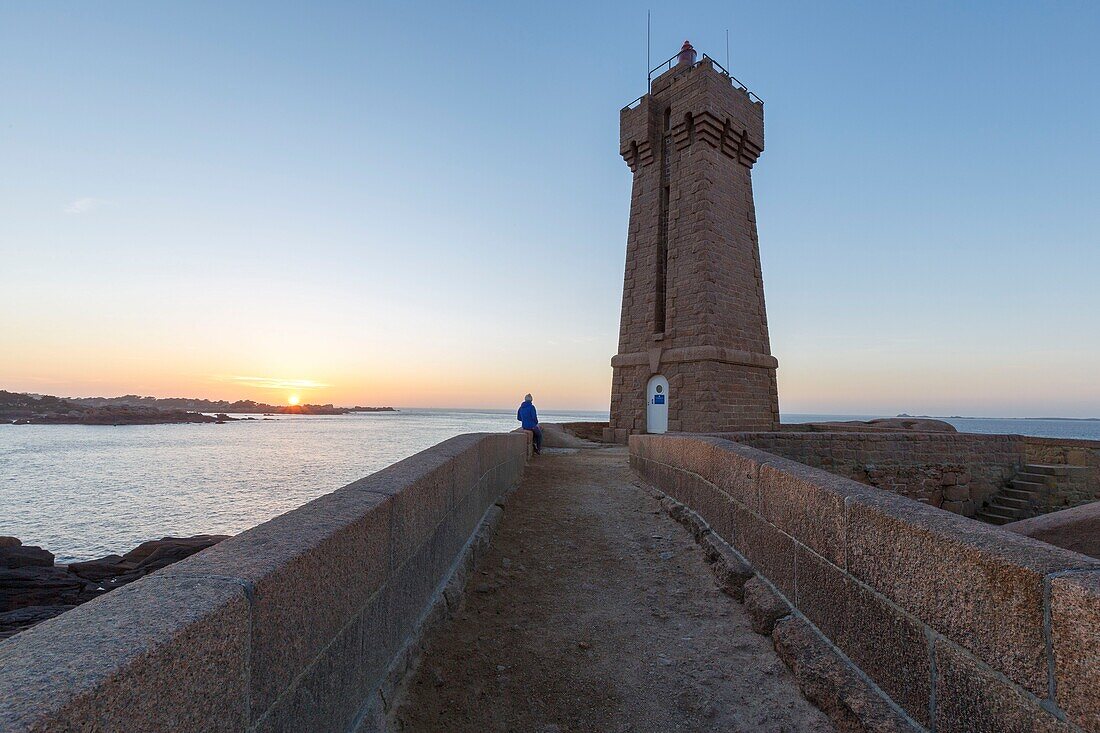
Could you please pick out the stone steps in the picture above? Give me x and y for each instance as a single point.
(1012, 502)
(1055, 469)
(992, 517)
(1046, 479)
(1007, 510)
(1022, 497)
(1018, 499)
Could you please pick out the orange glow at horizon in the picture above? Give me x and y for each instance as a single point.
(293, 400)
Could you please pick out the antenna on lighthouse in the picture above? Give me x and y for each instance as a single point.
(647, 60)
(728, 51)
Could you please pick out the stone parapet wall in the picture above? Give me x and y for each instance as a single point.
(1071, 451)
(958, 472)
(593, 431)
(299, 623)
(966, 627)
(954, 471)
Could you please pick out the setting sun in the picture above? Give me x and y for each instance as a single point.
(293, 399)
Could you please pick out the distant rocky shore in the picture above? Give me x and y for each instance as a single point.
(33, 588)
(246, 407)
(24, 409)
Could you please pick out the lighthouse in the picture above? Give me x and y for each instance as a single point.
(694, 353)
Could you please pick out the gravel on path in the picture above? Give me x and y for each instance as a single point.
(593, 610)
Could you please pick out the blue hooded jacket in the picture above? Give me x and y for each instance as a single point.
(527, 416)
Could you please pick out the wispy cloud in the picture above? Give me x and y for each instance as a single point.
(84, 206)
(277, 383)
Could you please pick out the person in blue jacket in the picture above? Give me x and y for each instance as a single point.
(529, 419)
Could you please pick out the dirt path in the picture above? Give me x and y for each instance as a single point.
(595, 611)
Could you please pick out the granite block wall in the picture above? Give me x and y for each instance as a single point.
(964, 626)
(297, 624)
(954, 471)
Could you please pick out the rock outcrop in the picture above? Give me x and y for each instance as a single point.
(883, 424)
(1076, 529)
(33, 588)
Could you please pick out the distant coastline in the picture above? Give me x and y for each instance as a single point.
(35, 409)
(966, 417)
(240, 407)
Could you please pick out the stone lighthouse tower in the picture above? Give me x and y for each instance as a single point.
(694, 353)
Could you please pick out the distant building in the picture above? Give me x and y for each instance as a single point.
(694, 353)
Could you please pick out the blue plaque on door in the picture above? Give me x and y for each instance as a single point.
(658, 399)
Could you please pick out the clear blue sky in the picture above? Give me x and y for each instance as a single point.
(424, 204)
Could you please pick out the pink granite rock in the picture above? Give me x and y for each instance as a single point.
(1076, 529)
(763, 605)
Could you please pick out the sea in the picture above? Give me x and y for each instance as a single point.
(85, 491)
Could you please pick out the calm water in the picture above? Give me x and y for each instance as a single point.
(84, 491)
(87, 491)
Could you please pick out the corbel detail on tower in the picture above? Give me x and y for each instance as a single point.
(733, 142)
(683, 131)
(637, 154)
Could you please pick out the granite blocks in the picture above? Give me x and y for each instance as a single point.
(972, 697)
(160, 654)
(953, 471)
(978, 585)
(961, 624)
(1075, 640)
(292, 625)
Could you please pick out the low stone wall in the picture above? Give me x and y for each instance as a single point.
(966, 627)
(301, 623)
(954, 471)
(587, 430)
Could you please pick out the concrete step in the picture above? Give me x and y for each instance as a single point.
(1011, 501)
(1047, 469)
(997, 507)
(1055, 469)
(993, 518)
(1027, 486)
(1037, 478)
(1020, 494)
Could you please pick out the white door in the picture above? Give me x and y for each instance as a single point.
(656, 411)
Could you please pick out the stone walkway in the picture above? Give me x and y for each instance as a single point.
(595, 611)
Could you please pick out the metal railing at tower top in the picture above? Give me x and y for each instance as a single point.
(668, 64)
